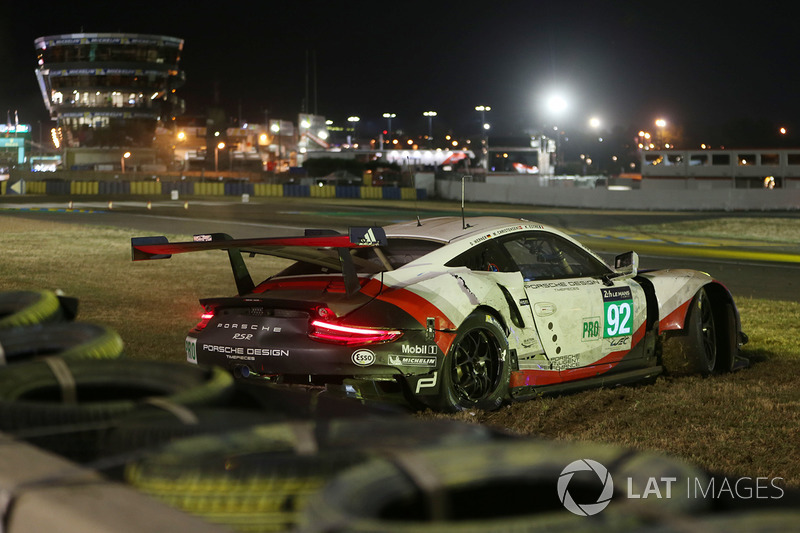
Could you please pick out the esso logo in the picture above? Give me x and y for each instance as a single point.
(363, 357)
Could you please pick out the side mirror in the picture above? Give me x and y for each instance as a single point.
(626, 265)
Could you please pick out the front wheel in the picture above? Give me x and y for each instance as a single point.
(476, 369)
(707, 344)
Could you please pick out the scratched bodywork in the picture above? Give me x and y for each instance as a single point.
(450, 313)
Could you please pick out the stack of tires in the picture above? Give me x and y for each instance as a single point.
(40, 324)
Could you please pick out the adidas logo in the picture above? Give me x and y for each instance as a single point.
(369, 238)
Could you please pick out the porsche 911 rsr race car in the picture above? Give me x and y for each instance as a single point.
(452, 313)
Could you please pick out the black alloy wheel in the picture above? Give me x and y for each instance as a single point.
(476, 370)
(476, 361)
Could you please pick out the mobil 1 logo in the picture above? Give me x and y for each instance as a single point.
(617, 311)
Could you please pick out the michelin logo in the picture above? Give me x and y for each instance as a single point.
(401, 360)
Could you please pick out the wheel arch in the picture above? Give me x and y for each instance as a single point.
(678, 345)
(494, 313)
(720, 297)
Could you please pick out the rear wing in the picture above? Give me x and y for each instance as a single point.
(159, 247)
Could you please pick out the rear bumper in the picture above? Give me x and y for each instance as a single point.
(410, 355)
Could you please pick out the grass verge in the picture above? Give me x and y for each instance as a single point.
(772, 230)
(741, 424)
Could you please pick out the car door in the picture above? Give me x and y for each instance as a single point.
(502, 288)
(581, 319)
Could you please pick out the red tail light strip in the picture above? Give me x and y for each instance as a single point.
(350, 335)
(204, 319)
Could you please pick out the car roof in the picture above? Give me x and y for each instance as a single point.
(451, 229)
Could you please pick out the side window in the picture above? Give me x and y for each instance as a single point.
(540, 255)
(486, 257)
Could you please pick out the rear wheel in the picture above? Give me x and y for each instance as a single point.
(476, 369)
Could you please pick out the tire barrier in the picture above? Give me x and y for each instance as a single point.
(296, 190)
(84, 187)
(209, 188)
(146, 428)
(348, 191)
(57, 187)
(60, 392)
(499, 486)
(184, 188)
(145, 187)
(267, 189)
(238, 188)
(259, 479)
(25, 308)
(220, 188)
(325, 191)
(67, 340)
(375, 193)
(114, 187)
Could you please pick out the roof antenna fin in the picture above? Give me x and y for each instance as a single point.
(414, 184)
(464, 224)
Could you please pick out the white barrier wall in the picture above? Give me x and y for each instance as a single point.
(649, 199)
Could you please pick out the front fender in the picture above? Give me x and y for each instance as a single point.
(674, 289)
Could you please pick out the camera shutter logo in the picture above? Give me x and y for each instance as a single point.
(585, 509)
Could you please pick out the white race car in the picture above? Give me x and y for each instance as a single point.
(452, 313)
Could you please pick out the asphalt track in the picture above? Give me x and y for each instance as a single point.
(747, 268)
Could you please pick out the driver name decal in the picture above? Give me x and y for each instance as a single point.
(617, 311)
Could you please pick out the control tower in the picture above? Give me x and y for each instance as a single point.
(108, 91)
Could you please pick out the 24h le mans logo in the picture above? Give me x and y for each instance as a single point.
(585, 509)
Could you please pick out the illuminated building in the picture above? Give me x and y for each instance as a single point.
(109, 90)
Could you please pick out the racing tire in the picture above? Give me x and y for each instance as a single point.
(258, 479)
(707, 344)
(476, 370)
(145, 429)
(42, 393)
(727, 338)
(25, 308)
(512, 486)
(68, 340)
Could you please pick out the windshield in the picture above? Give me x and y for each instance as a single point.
(541, 255)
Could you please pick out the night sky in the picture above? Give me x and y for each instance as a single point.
(697, 65)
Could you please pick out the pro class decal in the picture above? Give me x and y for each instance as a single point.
(618, 311)
(591, 329)
(363, 357)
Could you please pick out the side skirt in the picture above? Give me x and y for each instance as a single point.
(622, 378)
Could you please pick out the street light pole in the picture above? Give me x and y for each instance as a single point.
(276, 129)
(217, 148)
(430, 115)
(389, 117)
(484, 141)
(661, 124)
(122, 159)
(353, 120)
